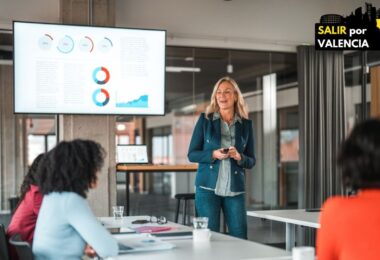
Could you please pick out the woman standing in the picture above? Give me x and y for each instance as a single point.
(223, 145)
(66, 223)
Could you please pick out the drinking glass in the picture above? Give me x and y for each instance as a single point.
(200, 222)
(118, 212)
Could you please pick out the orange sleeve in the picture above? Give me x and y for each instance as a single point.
(326, 235)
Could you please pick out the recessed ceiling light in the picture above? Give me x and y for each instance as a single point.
(120, 127)
(182, 69)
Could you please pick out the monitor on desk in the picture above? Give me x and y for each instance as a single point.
(132, 154)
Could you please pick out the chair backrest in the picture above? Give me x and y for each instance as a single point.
(185, 197)
(3, 244)
(13, 203)
(23, 249)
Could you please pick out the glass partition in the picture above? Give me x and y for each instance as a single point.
(268, 81)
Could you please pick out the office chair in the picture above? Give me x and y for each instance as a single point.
(13, 203)
(3, 244)
(185, 197)
(23, 249)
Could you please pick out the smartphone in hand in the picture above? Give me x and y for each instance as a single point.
(225, 150)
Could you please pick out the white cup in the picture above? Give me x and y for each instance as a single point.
(303, 253)
(118, 212)
(201, 235)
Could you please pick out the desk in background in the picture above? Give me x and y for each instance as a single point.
(292, 218)
(132, 168)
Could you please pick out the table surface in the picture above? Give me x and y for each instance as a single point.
(156, 167)
(292, 216)
(126, 223)
(220, 247)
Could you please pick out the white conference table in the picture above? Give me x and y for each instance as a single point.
(220, 247)
(292, 218)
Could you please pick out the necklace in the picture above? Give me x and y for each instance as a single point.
(228, 121)
(228, 117)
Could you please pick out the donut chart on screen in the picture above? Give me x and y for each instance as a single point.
(45, 41)
(66, 44)
(86, 44)
(97, 93)
(98, 71)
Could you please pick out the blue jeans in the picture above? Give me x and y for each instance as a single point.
(209, 205)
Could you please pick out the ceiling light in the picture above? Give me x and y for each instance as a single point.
(189, 108)
(230, 67)
(120, 127)
(182, 69)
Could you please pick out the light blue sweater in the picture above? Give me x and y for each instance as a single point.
(65, 225)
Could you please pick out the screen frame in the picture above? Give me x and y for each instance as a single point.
(89, 26)
(132, 145)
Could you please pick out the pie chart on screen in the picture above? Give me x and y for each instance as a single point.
(101, 97)
(101, 75)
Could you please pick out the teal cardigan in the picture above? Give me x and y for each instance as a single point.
(206, 138)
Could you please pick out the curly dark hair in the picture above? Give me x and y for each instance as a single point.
(71, 166)
(359, 157)
(31, 177)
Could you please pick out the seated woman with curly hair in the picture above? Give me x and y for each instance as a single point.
(66, 223)
(350, 226)
(24, 219)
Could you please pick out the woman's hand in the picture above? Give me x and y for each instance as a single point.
(233, 153)
(89, 251)
(218, 154)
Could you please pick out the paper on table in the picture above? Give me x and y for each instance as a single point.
(116, 226)
(126, 230)
(271, 258)
(141, 243)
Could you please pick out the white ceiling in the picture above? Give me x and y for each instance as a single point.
(242, 24)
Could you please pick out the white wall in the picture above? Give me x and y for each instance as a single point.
(24, 10)
(241, 24)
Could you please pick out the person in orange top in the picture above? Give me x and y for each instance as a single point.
(350, 226)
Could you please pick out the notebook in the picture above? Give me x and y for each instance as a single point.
(132, 154)
(174, 235)
(152, 229)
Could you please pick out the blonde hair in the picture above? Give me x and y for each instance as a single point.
(240, 106)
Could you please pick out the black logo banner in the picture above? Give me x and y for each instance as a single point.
(358, 31)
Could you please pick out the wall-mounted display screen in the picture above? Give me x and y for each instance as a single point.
(70, 69)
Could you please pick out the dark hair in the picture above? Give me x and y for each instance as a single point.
(31, 177)
(359, 157)
(71, 166)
